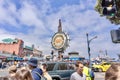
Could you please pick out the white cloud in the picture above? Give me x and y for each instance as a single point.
(77, 20)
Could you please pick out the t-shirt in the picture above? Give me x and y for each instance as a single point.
(76, 76)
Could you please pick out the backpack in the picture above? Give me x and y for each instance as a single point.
(42, 78)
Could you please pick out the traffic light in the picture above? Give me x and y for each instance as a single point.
(109, 7)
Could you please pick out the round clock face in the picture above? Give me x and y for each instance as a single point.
(58, 40)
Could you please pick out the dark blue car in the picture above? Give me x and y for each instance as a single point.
(60, 70)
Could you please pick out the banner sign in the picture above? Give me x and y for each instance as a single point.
(14, 58)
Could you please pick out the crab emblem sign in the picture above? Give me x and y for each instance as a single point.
(59, 41)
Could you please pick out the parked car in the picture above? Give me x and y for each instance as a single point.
(60, 70)
(102, 67)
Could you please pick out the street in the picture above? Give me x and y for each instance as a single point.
(99, 75)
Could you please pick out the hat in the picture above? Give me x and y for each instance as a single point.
(32, 62)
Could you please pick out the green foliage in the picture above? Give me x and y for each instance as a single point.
(113, 20)
(98, 7)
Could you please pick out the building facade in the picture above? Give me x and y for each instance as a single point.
(13, 48)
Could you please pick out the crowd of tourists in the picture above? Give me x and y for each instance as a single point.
(29, 72)
(34, 72)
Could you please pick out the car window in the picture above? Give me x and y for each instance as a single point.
(50, 66)
(71, 66)
(62, 66)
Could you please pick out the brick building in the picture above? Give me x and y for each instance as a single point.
(14, 47)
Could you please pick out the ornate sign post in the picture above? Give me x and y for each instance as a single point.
(60, 41)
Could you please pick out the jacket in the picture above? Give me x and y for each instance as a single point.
(36, 76)
(86, 72)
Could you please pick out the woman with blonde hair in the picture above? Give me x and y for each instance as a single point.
(23, 74)
(12, 70)
(113, 73)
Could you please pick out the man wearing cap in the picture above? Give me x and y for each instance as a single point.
(32, 63)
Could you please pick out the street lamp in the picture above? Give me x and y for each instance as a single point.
(88, 43)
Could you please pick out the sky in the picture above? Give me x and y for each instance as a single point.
(36, 21)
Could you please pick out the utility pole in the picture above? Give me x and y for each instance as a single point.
(88, 45)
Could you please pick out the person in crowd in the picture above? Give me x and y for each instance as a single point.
(12, 70)
(36, 72)
(45, 73)
(5, 78)
(23, 74)
(92, 75)
(0, 63)
(88, 72)
(11, 73)
(78, 75)
(113, 72)
(4, 65)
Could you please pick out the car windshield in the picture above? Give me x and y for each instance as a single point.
(50, 66)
